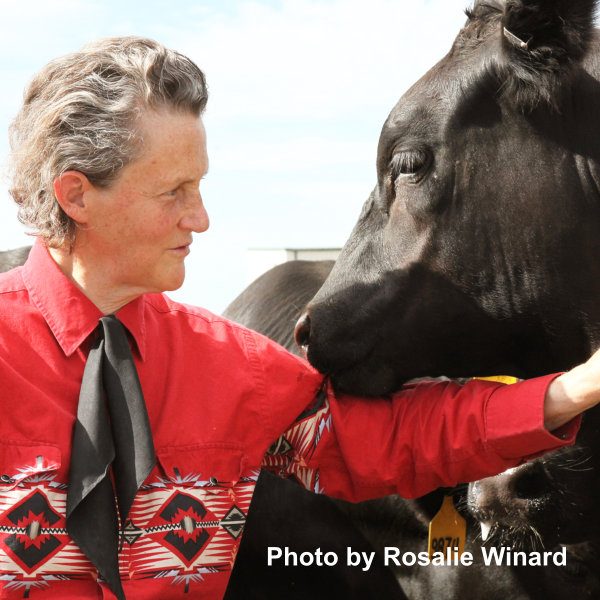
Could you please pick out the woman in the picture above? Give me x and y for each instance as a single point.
(109, 151)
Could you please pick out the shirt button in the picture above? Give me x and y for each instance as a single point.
(6, 479)
(213, 481)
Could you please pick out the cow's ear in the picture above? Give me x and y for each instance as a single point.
(543, 42)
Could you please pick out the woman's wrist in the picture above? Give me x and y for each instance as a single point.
(571, 393)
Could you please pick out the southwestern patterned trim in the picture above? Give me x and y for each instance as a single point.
(35, 549)
(184, 529)
(181, 529)
(289, 454)
(180, 532)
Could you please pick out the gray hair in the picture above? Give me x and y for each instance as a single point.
(80, 112)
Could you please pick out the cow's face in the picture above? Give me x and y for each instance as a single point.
(475, 252)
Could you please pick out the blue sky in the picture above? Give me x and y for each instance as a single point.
(299, 91)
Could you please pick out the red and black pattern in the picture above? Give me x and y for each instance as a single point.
(288, 456)
(181, 530)
(33, 534)
(35, 549)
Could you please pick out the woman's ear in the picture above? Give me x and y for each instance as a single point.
(70, 190)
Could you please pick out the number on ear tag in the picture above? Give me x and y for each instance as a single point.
(447, 531)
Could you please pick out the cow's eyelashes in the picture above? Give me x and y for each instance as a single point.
(410, 164)
(405, 167)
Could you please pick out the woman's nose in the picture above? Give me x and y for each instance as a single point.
(196, 218)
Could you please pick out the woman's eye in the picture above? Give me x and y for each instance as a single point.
(409, 162)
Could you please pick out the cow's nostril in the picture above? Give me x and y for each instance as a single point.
(302, 330)
(530, 484)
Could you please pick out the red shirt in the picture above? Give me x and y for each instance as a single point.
(218, 396)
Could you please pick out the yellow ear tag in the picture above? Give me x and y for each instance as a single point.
(447, 531)
(507, 379)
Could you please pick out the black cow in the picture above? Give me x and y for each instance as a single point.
(9, 259)
(477, 251)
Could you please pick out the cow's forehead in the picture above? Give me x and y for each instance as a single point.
(471, 58)
(425, 109)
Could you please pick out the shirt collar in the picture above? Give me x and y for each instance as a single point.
(69, 313)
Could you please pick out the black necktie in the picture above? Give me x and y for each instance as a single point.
(112, 427)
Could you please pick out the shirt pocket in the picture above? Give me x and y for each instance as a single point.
(23, 463)
(208, 466)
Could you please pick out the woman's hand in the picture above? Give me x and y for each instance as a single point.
(572, 393)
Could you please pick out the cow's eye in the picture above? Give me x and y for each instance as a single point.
(409, 163)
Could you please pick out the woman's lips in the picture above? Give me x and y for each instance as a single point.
(181, 250)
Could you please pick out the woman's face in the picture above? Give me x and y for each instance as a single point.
(140, 227)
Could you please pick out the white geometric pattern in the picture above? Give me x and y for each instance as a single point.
(180, 529)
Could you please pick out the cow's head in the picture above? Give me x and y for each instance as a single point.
(476, 251)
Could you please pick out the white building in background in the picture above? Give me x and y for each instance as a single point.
(260, 260)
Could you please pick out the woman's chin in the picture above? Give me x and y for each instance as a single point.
(172, 279)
